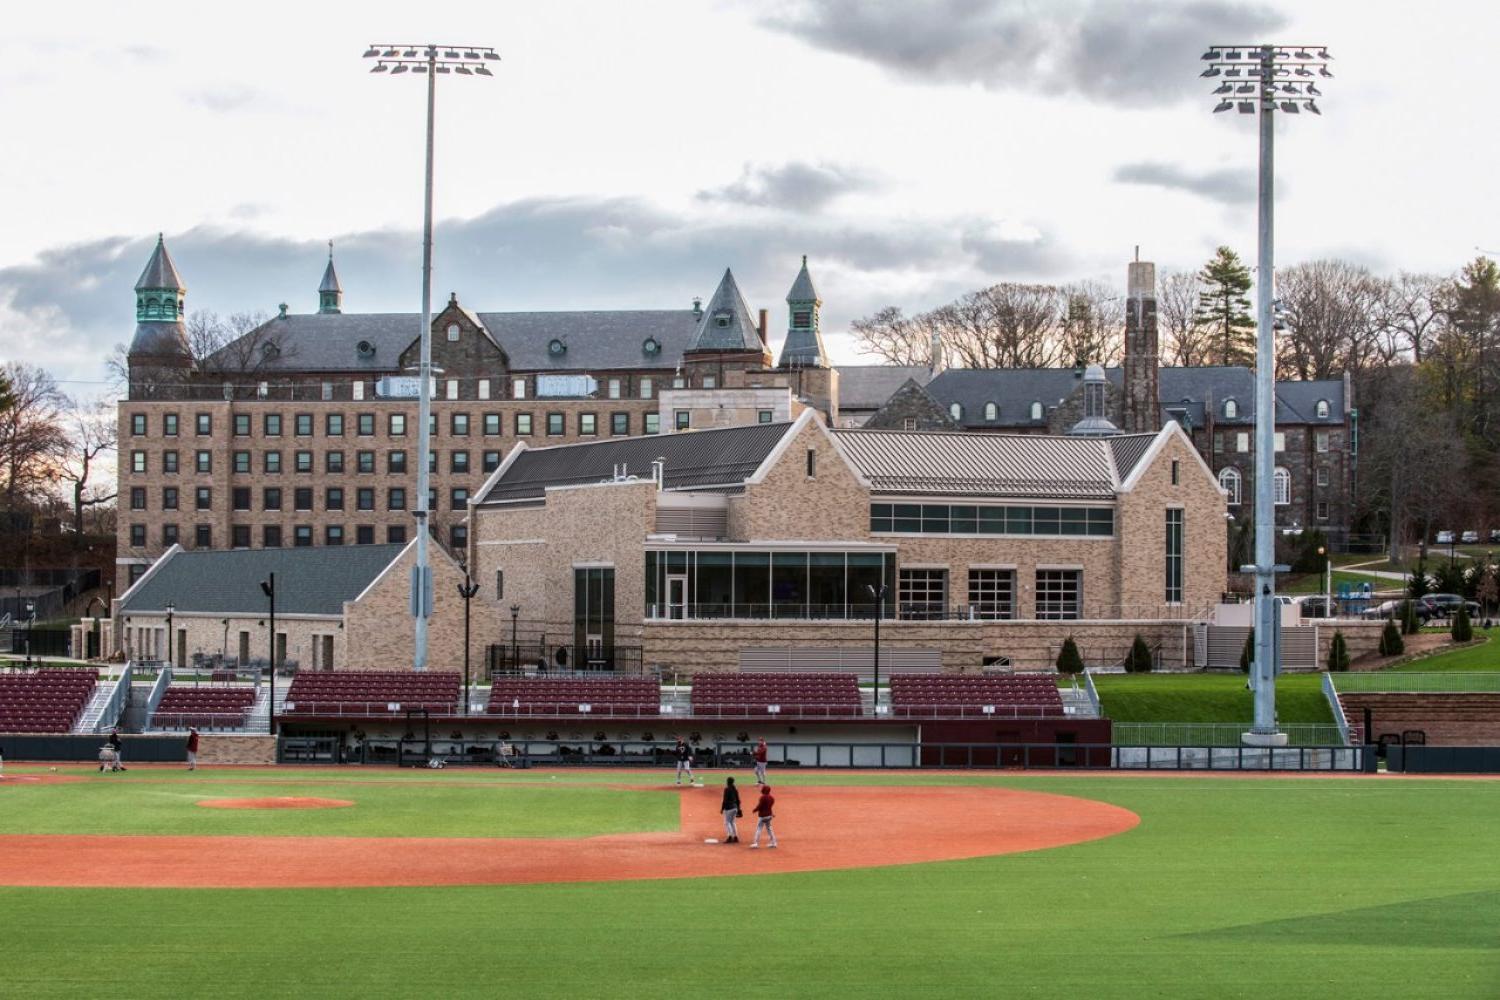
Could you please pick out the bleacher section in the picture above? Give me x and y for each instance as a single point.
(629, 697)
(44, 701)
(950, 696)
(204, 707)
(804, 695)
(372, 692)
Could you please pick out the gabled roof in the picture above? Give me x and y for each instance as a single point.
(726, 324)
(802, 288)
(160, 272)
(727, 455)
(1006, 465)
(867, 387)
(309, 581)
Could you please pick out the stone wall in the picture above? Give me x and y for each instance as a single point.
(1140, 530)
(224, 748)
(381, 630)
(789, 504)
(143, 637)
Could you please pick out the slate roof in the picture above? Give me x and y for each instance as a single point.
(726, 324)
(802, 287)
(596, 340)
(160, 272)
(803, 348)
(1012, 465)
(1187, 390)
(309, 581)
(727, 455)
(330, 278)
(867, 387)
(158, 339)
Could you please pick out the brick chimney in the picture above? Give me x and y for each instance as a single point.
(1141, 410)
(765, 326)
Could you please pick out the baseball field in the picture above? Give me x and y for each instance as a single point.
(362, 882)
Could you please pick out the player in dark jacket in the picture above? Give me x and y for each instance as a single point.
(684, 755)
(764, 811)
(730, 806)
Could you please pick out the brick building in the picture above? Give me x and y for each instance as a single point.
(302, 432)
(1315, 420)
(779, 539)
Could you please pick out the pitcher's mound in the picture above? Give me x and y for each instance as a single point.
(277, 802)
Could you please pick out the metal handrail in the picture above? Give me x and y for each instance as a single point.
(159, 689)
(1093, 693)
(906, 611)
(1217, 734)
(1331, 695)
(110, 714)
(1401, 682)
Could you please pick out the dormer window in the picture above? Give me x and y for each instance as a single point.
(1036, 410)
(955, 411)
(557, 348)
(1323, 409)
(1231, 409)
(651, 346)
(991, 411)
(269, 350)
(721, 320)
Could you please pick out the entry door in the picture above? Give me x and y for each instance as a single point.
(327, 642)
(677, 597)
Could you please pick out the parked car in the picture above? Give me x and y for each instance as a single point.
(1447, 605)
(1469, 537)
(1445, 538)
(1396, 608)
(1495, 535)
(1317, 606)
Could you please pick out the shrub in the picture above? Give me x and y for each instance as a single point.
(1139, 661)
(1391, 643)
(1338, 653)
(1417, 587)
(1463, 631)
(1410, 623)
(1068, 660)
(1247, 655)
(1451, 578)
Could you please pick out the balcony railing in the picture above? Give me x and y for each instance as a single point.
(914, 611)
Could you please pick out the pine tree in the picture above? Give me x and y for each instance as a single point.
(1463, 631)
(1139, 661)
(1417, 587)
(1068, 660)
(1391, 643)
(1338, 652)
(1224, 309)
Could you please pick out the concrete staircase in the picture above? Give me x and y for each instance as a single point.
(259, 718)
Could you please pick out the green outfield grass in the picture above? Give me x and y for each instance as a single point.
(1206, 698)
(1293, 888)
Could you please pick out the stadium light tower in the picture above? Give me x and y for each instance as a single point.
(428, 60)
(1264, 79)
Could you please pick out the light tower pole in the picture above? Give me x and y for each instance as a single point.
(431, 60)
(1263, 79)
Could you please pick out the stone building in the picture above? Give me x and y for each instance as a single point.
(1316, 439)
(302, 432)
(778, 542)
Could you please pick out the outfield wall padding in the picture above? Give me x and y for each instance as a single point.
(73, 747)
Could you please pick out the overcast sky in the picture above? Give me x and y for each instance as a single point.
(625, 153)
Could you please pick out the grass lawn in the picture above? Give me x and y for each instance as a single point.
(1314, 583)
(1484, 656)
(1294, 888)
(1206, 698)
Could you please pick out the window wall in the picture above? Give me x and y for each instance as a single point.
(970, 519)
(742, 583)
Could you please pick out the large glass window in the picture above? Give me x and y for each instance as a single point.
(789, 584)
(1174, 555)
(1059, 594)
(826, 593)
(968, 519)
(593, 612)
(924, 593)
(992, 593)
(738, 584)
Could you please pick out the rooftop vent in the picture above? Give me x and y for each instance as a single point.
(651, 345)
(557, 348)
(365, 349)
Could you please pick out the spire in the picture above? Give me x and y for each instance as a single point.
(804, 336)
(330, 292)
(160, 299)
(726, 324)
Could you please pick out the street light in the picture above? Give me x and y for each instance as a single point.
(878, 593)
(268, 587)
(1328, 581)
(467, 590)
(1268, 67)
(171, 658)
(428, 60)
(30, 621)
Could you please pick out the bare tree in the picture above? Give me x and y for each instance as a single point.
(33, 437)
(232, 347)
(1025, 321)
(92, 434)
(891, 335)
(1184, 340)
(1093, 323)
(1333, 311)
(1412, 314)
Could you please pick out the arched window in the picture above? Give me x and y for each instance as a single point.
(1283, 483)
(991, 411)
(1036, 411)
(1323, 409)
(1231, 409)
(955, 411)
(153, 308)
(1229, 480)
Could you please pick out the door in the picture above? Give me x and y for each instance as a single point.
(677, 597)
(327, 659)
(244, 648)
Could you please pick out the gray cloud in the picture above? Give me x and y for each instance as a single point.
(1115, 51)
(795, 186)
(1228, 185)
(70, 306)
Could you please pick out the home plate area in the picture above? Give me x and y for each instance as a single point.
(818, 827)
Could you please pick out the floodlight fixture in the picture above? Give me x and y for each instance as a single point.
(1213, 55)
(451, 54)
(1290, 107)
(1223, 88)
(1223, 106)
(1232, 71)
(379, 68)
(1310, 106)
(1303, 54)
(400, 68)
(1245, 88)
(1233, 54)
(1211, 71)
(463, 70)
(389, 53)
(1247, 107)
(371, 52)
(1324, 70)
(482, 71)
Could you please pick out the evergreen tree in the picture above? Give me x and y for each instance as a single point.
(1247, 655)
(1391, 643)
(1338, 653)
(1068, 660)
(1463, 631)
(1417, 587)
(1139, 661)
(1410, 623)
(1224, 309)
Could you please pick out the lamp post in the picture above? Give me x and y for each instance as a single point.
(1263, 79)
(878, 593)
(98, 636)
(515, 648)
(1327, 582)
(30, 621)
(170, 657)
(268, 587)
(464, 60)
(467, 590)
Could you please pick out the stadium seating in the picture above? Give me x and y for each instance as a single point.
(801, 694)
(44, 701)
(605, 696)
(204, 707)
(956, 696)
(372, 692)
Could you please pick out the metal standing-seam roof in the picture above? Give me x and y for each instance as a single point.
(160, 272)
(1020, 465)
(309, 581)
(726, 455)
